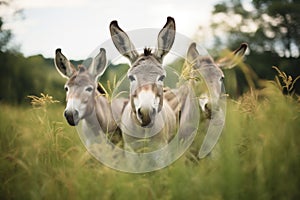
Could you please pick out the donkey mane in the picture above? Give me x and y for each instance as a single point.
(147, 51)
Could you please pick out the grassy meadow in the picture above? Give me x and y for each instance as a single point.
(257, 157)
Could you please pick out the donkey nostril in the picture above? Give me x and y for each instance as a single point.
(76, 113)
(70, 113)
(144, 116)
(70, 117)
(65, 113)
(153, 111)
(208, 110)
(140, 113)
(207, 106)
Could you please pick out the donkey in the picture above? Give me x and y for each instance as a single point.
(199, 68)
(202, 67)
(84, 101)
(148, 120)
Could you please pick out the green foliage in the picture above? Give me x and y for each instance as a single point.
(5, 36)
(21, 76)
(257, 157)
(265, 24)
(113, 74)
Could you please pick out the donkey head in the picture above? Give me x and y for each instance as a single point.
(146, 73)
(205, 67)
(81, 85)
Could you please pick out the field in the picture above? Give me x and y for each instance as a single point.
(257, 157)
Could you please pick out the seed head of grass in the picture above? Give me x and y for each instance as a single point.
(43, 101)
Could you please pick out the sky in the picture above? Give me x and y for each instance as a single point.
(79, 26)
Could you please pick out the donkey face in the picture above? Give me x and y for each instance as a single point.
(81, 85)
(146, 73)
(210, 92)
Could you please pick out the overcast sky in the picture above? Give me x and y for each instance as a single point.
(79, 26)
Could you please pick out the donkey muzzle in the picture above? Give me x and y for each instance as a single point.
(72, 117)
(145, 116)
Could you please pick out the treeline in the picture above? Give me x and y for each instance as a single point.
(21, 76)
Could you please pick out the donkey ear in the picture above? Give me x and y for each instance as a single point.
(165, 39)
(63, 65)
(122, 42)
(192, 53)
(99, 64)
(234, 58)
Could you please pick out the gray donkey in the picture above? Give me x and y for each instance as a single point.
(84, 101)
(206, 78)
(148, 122)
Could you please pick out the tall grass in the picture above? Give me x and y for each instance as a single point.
(257, 157)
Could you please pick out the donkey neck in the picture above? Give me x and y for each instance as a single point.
(104, 114)
(92, 122)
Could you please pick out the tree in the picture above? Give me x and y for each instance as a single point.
(271, 28)
(5, 35)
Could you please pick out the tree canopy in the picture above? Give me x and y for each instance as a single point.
(267, 25)
(271, 28)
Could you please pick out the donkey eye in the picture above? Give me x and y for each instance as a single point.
(66, 88)
(161, 78)
(89, 89)
(197, 79)
(131, 78)
(222, 79)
